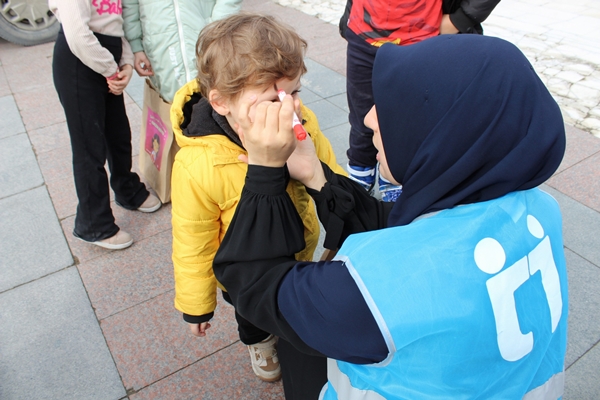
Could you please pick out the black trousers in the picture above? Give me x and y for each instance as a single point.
(100, 132)
(360, 57)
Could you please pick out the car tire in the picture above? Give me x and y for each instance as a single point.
(16, 27)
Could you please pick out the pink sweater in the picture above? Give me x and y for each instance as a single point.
(80, 18)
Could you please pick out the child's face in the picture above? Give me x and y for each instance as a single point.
(267, 93)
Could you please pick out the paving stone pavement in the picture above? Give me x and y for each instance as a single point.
(80, 322)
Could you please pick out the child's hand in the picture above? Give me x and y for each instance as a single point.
(118, 84)
(304, 165)
(447, 27)
(142, 64)
(269, 139)
(199, 329)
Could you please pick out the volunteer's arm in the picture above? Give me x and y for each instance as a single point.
(314, 306)
(255, 261)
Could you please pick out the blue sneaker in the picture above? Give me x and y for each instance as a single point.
(365, 176)
(388, 191)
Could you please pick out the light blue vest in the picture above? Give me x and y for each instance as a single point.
(471, 301)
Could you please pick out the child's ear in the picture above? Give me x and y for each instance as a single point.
(218, 102)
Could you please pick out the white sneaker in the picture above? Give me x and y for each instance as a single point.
(388, 191)
(265, 362)
(151, 204)
(365, 176)
(119, 241)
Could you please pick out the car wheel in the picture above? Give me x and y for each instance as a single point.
(27, 22)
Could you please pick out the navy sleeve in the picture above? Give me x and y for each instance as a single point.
(325, 308)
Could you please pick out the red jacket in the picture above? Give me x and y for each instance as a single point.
(401, 22)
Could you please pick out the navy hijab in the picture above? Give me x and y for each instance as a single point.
(463, 119)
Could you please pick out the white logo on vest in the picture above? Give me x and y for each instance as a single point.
(490, 258)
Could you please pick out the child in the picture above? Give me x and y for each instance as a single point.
(241, 55)
(163, 35)
(367, 25)
(91, 70)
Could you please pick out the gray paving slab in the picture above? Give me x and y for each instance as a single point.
(10, 118)
(19, 169)
(580, 227)
(338, 136)
(584, 307)
(308, 96)
(135, 89)
(51, 344)
(583, 378)
(32, 241)
(340, 100)
(329, 115)
(322, 80)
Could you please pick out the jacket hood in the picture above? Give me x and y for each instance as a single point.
(193, 116)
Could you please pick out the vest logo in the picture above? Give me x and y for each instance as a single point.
(490, 258)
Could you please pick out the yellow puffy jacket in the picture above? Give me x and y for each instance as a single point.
(206, 185)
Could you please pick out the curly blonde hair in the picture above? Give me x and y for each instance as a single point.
(247, 50)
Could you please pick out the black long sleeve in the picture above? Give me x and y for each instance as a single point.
(321, 311)
(467, 15)
(344, 207)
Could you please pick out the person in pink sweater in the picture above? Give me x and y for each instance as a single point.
(91, 66)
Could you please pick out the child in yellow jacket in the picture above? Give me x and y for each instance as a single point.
(240, 56)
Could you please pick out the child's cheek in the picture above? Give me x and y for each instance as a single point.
(297, 107)
(251, 113)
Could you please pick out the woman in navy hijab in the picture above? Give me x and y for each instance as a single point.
(457, 290)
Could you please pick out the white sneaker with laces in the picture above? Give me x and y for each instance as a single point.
(151, 204)
(265, 362)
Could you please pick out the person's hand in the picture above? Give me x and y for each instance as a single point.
(269, 139)
(142, 64)
(304, 165)
(118, 84)
(447, 27)
(199, 329)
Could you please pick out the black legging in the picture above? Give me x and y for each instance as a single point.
(99, 131)
(249, 334)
